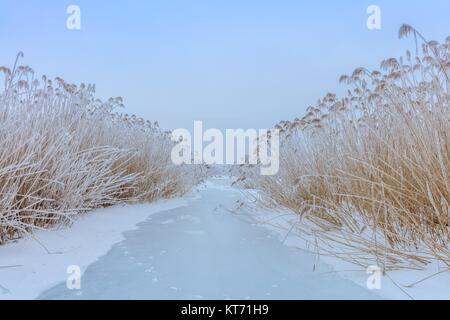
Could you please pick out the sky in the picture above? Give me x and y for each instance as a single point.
(231, 63)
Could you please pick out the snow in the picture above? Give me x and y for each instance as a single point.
(30, 266)
(202, 246)
(430, 284)
(208, 251)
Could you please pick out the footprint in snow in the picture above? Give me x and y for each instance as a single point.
(189, 218)
(195, 232)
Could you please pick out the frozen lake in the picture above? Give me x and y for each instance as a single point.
(205, 251)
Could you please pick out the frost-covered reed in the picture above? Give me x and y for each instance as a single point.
(370, 173)
(63, 152)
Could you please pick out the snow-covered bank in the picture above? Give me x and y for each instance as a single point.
(430, 284)
(30, 266)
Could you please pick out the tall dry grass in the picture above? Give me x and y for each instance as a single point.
(370, 173)
(63, 152)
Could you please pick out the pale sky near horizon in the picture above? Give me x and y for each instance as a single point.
(232, 64)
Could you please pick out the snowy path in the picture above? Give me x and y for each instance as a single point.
(203, 251)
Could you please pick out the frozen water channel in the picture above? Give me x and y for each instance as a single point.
(204, 251)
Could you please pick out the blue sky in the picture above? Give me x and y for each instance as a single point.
(229, 63)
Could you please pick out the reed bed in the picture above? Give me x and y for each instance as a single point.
(369, 173)
(63, 152)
